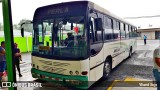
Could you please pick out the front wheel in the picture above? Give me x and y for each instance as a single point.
(106, 69)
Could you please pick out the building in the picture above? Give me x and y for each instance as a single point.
(152, 33)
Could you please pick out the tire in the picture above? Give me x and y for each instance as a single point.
(106, 69)
(130, 53)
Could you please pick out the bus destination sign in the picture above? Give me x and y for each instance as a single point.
(58, 10)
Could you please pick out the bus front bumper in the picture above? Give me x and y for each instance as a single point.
(76, 81)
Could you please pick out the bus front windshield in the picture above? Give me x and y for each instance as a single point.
(60, 37)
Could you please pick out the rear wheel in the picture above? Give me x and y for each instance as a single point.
(106, 69)
(130, 52)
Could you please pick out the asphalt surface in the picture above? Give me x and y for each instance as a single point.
(135, 67)
(140, 65)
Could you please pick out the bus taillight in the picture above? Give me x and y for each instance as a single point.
(84, 73)
(157, 60)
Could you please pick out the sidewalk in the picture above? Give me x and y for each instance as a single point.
(25, 67)
(151, 44)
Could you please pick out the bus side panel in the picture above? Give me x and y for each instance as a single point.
(112, 48)
(125, 48)
(85, 66)
(134, 44)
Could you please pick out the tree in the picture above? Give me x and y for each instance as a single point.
(23, 20)
(16, 26)
(27, 27)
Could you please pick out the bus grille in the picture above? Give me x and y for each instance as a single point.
(60, 64)
(58, 70)
(53, 69)
(47, 68)
(46, 62)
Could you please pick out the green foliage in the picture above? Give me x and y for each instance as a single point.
(23, 20)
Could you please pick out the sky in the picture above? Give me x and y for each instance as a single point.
(123, 8)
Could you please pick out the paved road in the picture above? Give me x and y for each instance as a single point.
(140, 65)
(135, 67)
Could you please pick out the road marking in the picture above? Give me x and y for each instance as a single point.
(126, 80)
(113, 84)
(131, 79)
(145, 54)
(136, 79)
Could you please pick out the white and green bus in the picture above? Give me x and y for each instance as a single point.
(79, 42)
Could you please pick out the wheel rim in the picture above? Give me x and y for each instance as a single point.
(107, 68)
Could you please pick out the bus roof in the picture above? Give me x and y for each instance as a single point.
(90, 5)
(107, 12)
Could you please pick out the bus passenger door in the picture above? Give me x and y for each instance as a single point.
(96, 50)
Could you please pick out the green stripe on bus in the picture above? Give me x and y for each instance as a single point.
(83, 79)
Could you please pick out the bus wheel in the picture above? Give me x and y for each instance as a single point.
(130, 52)
(106, 69)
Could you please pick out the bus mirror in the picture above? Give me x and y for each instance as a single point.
(49, 23)
(71, 26)
(98, 24)
(22, 32)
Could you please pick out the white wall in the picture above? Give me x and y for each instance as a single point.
(150, 35)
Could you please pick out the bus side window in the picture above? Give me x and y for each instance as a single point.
(127, 31)
(122, 26)
(95, 35)
(108, 33)
(116, 31)
(130, 31)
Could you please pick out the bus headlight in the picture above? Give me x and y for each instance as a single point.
(77, 73)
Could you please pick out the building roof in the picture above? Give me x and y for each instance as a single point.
(148, 29)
